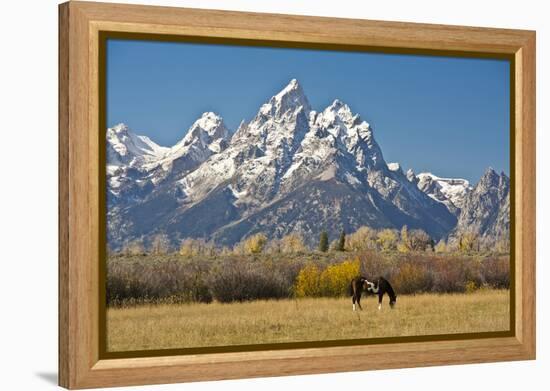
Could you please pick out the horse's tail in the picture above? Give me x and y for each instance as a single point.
(385, 285)
(353, 285)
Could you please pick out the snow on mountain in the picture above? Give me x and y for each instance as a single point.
(207, 136)
(395, 167)
(259, 152)
(449, 191)
(136, 165)
(288, 169)
(127, 154)
(124, 148)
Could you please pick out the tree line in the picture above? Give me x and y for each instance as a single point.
(364, 238)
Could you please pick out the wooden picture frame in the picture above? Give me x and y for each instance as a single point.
(81, 24)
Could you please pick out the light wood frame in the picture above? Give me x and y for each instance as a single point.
(80, 23)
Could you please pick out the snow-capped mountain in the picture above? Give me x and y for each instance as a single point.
(486, 209)
(127, 154)
(289, 169)
(125, 149)
(136, 165)
(207, 136)
(450, 191)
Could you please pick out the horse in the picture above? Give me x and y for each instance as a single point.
(379, 287)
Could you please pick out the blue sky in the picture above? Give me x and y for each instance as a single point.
(449, 116)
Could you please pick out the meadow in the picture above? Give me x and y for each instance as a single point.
(180, 325)
(163, 300)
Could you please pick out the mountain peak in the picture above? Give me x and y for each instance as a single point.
(126, 148)
(210, 114)
(210, 123)
(120, 128)
(207, 128)
(339, 115)
(338, 105)
(485, 211)
(291, 97)
(489, 178)
(293, 87)
(395, 167)
(293, 84)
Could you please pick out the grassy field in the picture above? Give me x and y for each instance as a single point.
(272, 321)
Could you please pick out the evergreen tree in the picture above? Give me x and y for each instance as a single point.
(323, 242)
(342, 241)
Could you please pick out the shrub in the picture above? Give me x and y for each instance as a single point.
(496, 272)
(134, 247)
(412, 278)
(274, 246)
(374, 265)
(193, 247)
(441, 247)
(387, 239)
(136, 282)
(418, 240)
(451, 274)
(307, 282)
(362, 239)
(335, 280)
(255, 244)
(503, 246)
(240, 280)
(160, 244)
(293, 243)
(468, 242)
(471, 287)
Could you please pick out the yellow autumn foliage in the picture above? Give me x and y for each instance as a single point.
(332, 282)
(335, 279)
(307, 282)
(255, 244)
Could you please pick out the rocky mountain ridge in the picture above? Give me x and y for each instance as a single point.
(289, 169)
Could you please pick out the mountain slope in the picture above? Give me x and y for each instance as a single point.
(486, 209)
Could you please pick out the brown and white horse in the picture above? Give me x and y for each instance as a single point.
(379, 287)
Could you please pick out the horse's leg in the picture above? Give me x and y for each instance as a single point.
(380, 296)
(359, 301)
(353, 301)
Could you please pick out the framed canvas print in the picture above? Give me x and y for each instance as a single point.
(247, 195)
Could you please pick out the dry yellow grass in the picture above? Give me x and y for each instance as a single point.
(198, 325)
